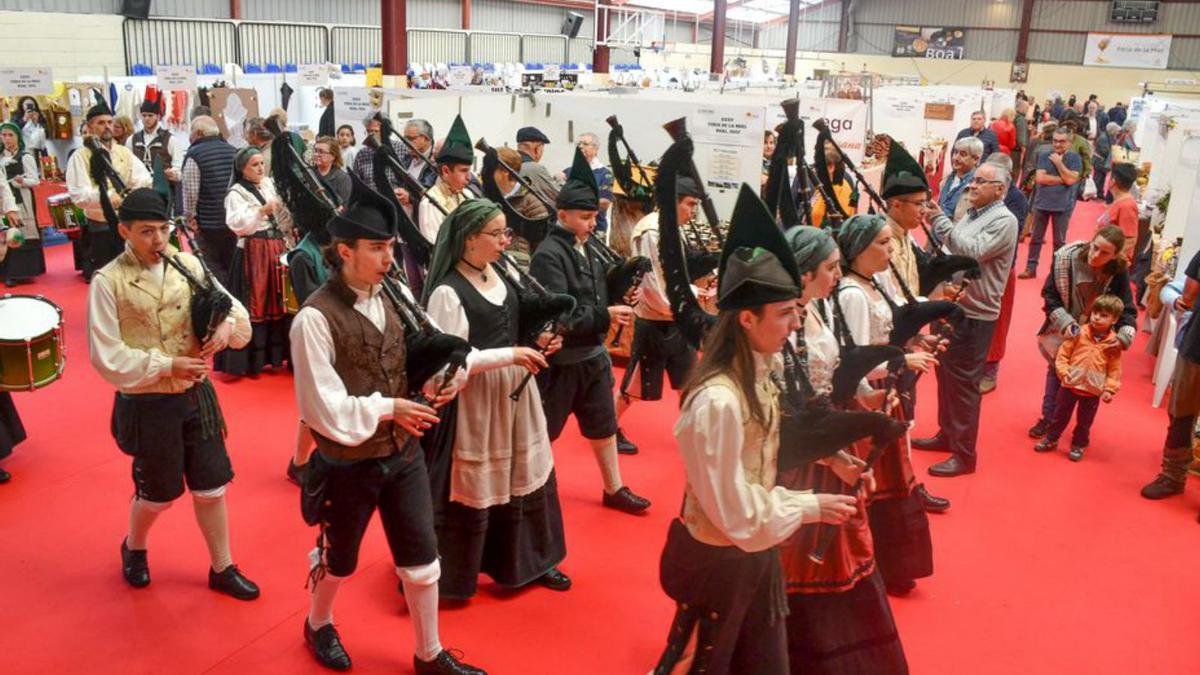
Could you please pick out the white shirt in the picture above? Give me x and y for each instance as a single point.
(86, 195)
(324, 403)
(709, 435)
(35, 136)
(243, 211)
(128, 368)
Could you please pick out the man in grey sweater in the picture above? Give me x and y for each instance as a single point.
(988, 234)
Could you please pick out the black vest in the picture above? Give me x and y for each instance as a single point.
(11, 171)
(158, 144)
(491, 326)
(214, 157)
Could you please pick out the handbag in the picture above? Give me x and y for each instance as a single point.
(312, 490)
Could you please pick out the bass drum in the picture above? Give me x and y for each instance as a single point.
(32, 349)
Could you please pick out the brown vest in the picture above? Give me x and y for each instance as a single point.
(368, 362)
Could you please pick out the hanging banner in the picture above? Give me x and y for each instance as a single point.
(924, 42)
(312, 74)
(175, 78)
(1127, 50)
(847, 120)
(26, 81)
(728, 125)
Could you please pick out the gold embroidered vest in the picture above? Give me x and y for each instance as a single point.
(122, 160)
(154, 315)
(760, 450)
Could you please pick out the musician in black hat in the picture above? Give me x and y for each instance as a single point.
(531, 143)
(351, 356)
(579, 379)
(157, 147)
(142, 340)
(101, 243)
(720, 564)
(658, 345)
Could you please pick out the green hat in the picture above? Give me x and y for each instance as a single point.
(456, 149)
(580, 192)
(757, 266)
(902, 174)
(469, 218)
(368, 215)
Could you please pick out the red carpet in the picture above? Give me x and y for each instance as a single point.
(1043, 566)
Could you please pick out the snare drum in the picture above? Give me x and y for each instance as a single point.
(32, 349)
(63, 214)
(291, 304)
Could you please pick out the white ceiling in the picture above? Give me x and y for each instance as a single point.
(751, 11)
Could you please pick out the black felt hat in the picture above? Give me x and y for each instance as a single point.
(151, 101)
(143, 204)
(580, 192)
(528, 134)
(757, 266)
(902, 174)
(368, 215)
(99, 108)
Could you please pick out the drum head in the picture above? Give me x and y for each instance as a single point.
(23, 317)
(58, 200)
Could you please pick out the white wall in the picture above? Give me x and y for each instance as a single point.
(71, 44)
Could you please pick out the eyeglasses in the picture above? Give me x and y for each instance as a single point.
(983, 181)
(412, 139)
(319, 151)
(506, 233)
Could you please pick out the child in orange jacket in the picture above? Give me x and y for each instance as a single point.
(1089, 368)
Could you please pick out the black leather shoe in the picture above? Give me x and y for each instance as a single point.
(326, 645)
(901, 588)
(1045, 445)
(295, 473)
(1076, 453)
(930, 503)
(134, 566)
(5, 476)
(937, 443)
(625, 500)
(624, 445)
(1040, 429)
(446, 663)
(955, 466)
(232, 582)
(555, 580)
(1162, 487)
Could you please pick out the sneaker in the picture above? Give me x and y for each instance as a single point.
(624, 445)
(987, 385)
(1162, 487)
(1040, 429)
(1076, 453)
(1046, 445)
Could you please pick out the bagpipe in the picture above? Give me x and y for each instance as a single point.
(210, 305)
(532, 230)
(103, 173)
(677, 130)
(385, 160)
(633, 186)
(546, 311)
(778, 194)
(311, 202)
(429, 349)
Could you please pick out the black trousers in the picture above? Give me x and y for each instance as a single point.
(1064, 405)
(103, 243)
(958, 374)
(218, 245)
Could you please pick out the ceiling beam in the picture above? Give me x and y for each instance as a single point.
(1023, 36)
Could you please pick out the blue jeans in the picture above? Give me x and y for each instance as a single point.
(1059, 221)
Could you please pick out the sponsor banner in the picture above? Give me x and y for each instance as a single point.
(929, 42)
(1127, 50)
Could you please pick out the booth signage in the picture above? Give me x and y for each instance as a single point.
(175, 78)
(312, 74)
(923, 42)
(26, 81)
(729, 126)
(939, 111)
(1127, 50)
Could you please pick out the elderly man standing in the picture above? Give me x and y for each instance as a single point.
(531, 143)
(101, 242)
(1058, 169)
(980, 130)
(965, 156)
(207, 167)
(419, 132)
(589, 145)
(987, 233)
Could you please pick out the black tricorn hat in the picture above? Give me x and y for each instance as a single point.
(368, 215)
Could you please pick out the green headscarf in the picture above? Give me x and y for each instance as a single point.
(16, 130)
(464, 221)
(856, 235)
(810, 245)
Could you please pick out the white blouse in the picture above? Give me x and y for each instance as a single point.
(445, 308)
(243, 212)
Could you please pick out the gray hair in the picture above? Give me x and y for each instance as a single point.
(204, 127)
(589, 137)
(1001, 161)
(1129, 125)
(972, 145)
(1112, 128)
(423, 127)
(1002, 174)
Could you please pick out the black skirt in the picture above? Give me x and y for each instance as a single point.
(514, 543)
(900, 528)
(268, 342)
(12, 431)
(848, 633)
(25, 262)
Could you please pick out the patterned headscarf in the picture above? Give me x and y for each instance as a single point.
(810, 245)
(468, 219)
(856, 235)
